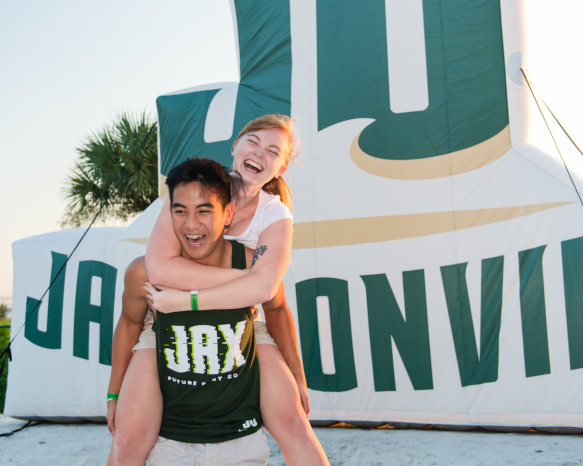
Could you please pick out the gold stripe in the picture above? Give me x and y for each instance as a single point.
(349, 231)
(439, 166)
(162, 187)
(143, 241)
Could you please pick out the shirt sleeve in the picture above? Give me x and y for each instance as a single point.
(273, 211)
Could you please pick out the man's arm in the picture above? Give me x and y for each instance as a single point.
(281, 326)
(127, 331)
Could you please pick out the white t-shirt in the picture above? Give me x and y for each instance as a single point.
(269, 210)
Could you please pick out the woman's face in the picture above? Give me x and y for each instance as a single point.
(261, 155)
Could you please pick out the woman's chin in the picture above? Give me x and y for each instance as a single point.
(253, 179)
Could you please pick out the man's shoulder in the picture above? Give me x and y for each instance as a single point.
(249, 256)
(247, 251)
(136, 270)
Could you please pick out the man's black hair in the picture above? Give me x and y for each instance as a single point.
(207, 172)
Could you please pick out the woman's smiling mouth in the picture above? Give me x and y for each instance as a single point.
(253, 166)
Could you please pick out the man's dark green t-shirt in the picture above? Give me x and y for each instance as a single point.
(209, 372)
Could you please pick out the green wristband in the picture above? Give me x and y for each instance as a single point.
(194, 300)
(112, 396)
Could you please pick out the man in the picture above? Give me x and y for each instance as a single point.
(207, 362)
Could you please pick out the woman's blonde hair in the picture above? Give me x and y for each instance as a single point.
(277, 186)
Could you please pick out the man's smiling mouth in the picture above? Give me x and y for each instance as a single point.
(194, 239)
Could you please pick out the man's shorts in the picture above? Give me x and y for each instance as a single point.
(148, 337)
(251, 449)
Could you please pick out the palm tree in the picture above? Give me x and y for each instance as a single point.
(117, 170)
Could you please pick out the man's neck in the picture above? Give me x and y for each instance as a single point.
(219, 257)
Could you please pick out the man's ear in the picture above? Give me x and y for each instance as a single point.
(229, 212)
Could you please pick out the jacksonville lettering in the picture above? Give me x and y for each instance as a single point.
(216, 350)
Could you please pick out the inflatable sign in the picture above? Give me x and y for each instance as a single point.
(438, 251)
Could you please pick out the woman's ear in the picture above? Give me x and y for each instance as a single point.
(280, 172)
(233, 148)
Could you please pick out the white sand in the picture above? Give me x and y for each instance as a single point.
(88, 444)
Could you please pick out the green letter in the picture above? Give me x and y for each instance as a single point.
(337, 292)
(411, 335)
(51, 338)
(474, 369)
(85, 312)
(573, 283)
(465, 76)
(265, 64)
(533, 311)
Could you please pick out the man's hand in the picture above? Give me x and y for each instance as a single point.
(111, 406)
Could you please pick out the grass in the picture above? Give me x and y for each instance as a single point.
(4, 339)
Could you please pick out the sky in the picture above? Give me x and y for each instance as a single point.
(69, 68)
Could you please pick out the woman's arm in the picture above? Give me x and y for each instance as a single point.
(259, 285)
(281, 326)
(270, 261)
(127, 330)
(167, 268)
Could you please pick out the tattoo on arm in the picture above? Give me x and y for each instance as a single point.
(258, 252)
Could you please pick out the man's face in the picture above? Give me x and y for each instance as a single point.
(198, 219)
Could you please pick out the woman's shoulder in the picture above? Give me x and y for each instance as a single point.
(270, 205)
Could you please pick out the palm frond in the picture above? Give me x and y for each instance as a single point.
(117, 167)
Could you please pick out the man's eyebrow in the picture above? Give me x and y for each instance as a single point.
(204, 204)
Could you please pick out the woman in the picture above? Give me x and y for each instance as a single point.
(261, 154)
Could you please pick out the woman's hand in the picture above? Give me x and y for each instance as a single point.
(167, 300)
(303, 389)
(111, 406)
